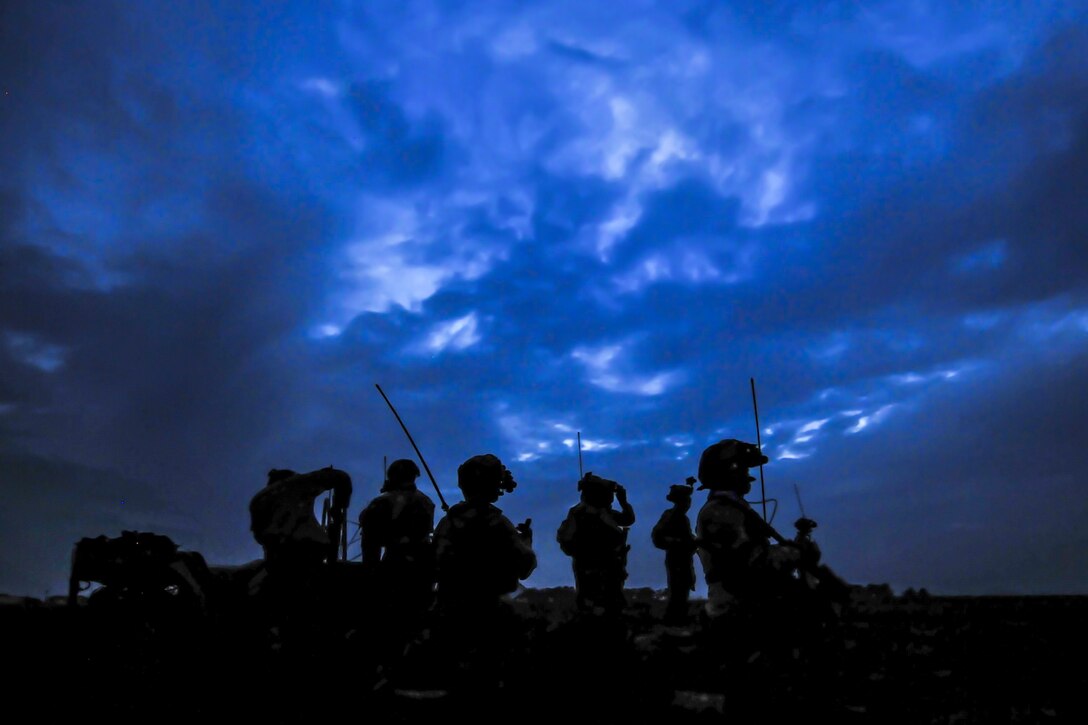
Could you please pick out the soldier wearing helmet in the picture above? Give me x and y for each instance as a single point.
(282, 517)
(816, 577)
(734, 542)
(395, 532)
(673, 534)
(293, 581)
(594, 535)
(479, 552)
(806, 545)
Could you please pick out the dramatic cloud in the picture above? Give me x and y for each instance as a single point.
(221, 223)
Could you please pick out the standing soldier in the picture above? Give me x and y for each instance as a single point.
(807, 547)
(283, 523)
(816, 577)
(293, 584)
(594, 535)
(480, 556)
(479, 553)
(739, 563)
(395, 529)
(673, 534)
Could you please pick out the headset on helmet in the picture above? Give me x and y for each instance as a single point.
(727, 457)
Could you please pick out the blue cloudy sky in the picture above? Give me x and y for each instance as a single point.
(222, 222)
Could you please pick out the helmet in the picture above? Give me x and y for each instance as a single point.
(727, 457)
(279, 474)
(681, 492)
(482, 472)
(403, 469)
(591, 482)
(804, 524)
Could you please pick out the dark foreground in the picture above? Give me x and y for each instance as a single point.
(885, 660)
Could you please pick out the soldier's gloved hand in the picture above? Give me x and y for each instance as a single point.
(621, 493)
(525, 528)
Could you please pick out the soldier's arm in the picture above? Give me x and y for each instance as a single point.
(525, 557)
(317, 482)
(745, 548)
(626, 515)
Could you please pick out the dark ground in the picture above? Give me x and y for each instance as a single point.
(887, 659)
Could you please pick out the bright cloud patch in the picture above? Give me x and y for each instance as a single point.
(534, 437)
(457, 334)
(405, 262)
(871, 419)
(604, 366)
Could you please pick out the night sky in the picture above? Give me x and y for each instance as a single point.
(222, 222)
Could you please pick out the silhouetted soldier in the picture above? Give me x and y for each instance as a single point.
(480, 554)
(594, 535)
(740, 565)
(295, 544)
(807, 547)
(816, 577)
(480, 557)
(395, 530)
(673, 534)
(282, 517)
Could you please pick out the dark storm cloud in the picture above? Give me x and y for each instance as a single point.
(224, 222)
(139, 252)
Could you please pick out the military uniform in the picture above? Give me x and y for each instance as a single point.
(807, 547)
(282, 516)
(730, 546)
(293, 587)
(739, 563)
(738, 559)
(673, 534)
(480, 555)
(816, 577)
(395, 532)
(595, 537)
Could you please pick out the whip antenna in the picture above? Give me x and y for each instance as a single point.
(445, 506)
(759, 442)
(580, 474)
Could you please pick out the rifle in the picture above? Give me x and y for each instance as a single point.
(334, 516)
(445, 506)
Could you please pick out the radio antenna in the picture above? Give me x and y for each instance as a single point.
(580, 474)
(759, 442)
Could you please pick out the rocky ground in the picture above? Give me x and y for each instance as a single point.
(885, 659)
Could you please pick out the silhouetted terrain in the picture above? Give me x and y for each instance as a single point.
(909, 659)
